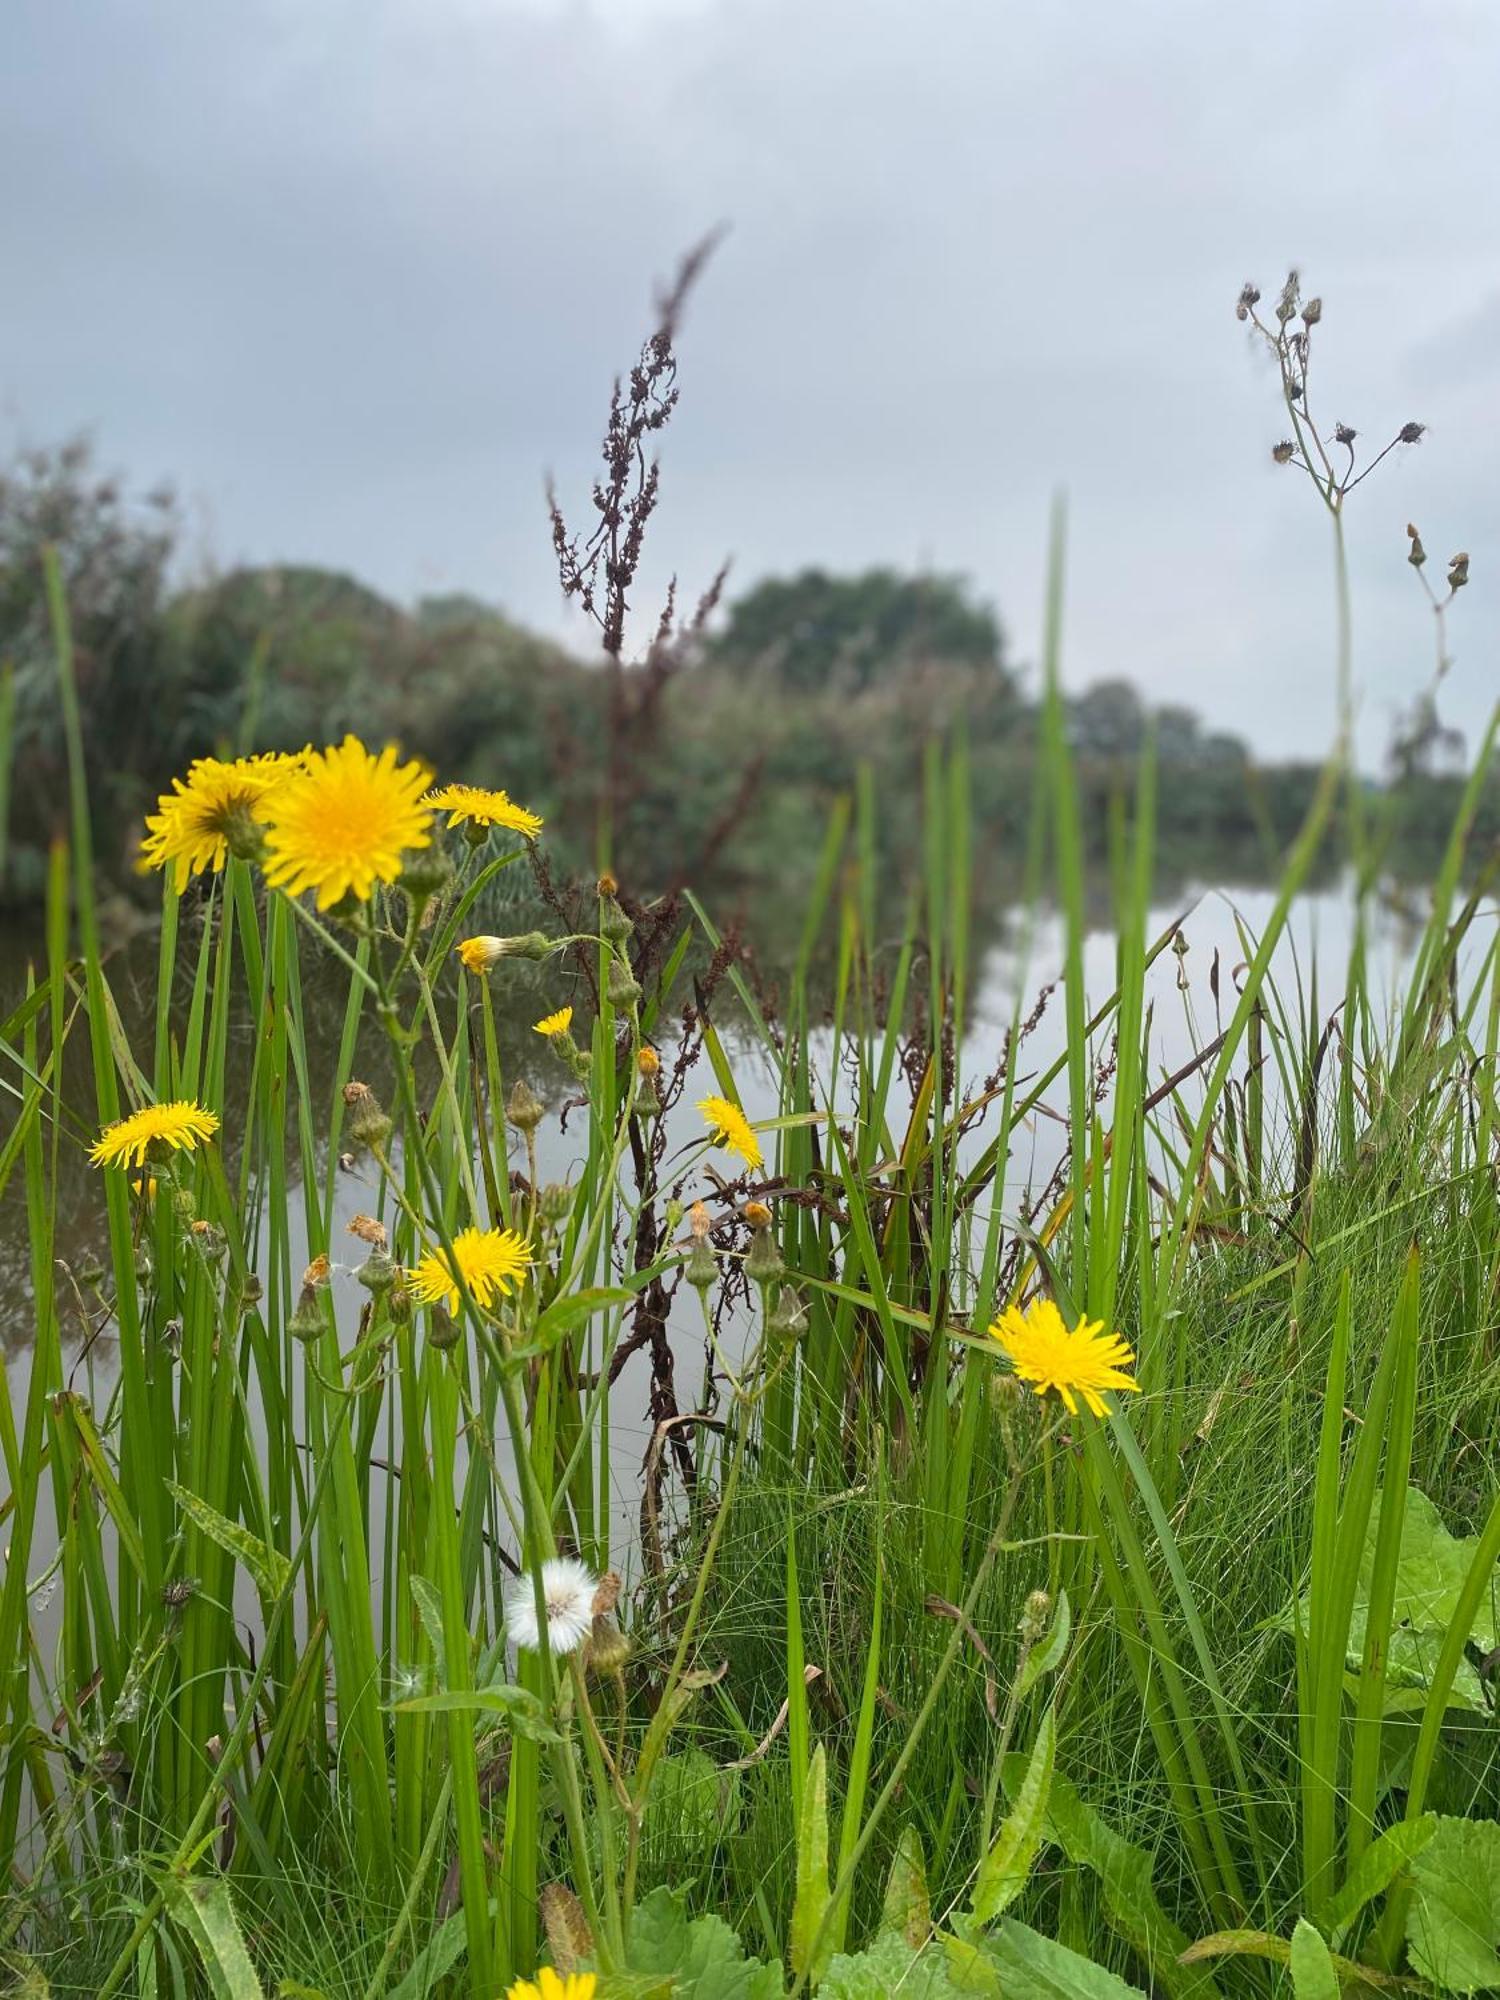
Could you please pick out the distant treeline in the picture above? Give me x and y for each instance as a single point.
(717, 758)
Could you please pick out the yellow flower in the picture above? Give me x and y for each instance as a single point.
(182, 1125)
(1080, 1362)
(196, 824)
(340, 824)
(548, 1985)
(480, 953)
(554, 1024)
(473, 802)
(731, 1128)
(489, 1261)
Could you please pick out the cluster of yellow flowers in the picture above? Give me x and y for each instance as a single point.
(332, 822)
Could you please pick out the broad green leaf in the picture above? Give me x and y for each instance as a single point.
(268, 1569)
(1313, 1976)
(1376, 1869)
(703, 1959)
(1003, 1871)
(692, 1805)
(1048, 1655)
(200, 1906)
(1453, 1922)
(906, 1912)
(887, 1969)
(519, 1707)
(1033, 1967)
(437, 1957)
(812, 1871)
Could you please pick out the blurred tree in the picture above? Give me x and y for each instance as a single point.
(814, 631)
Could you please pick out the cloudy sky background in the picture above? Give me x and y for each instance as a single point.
(354, 274)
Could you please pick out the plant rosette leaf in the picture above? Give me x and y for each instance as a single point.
(702, 1957)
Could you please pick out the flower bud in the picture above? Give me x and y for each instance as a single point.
(307, 1322)
(555, 1203)
(377, 1273)
(442, 1329)
(1458, 571)
(425, 873)
(523, 1107)
(613, 922)
(1284, 452)
(1411, 433)
(788, 1321)
(702, 1267)
(1312, 312)
(1418, 554)
(1249, 298)
(622, 986)
(368, 1124)
(763, 1265)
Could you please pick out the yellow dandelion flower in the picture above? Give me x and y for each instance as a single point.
(731, 1128)
(549, 1985)
(478, 954)
(483, 808)
(211, 813)
(554, 1024)
(341, 823)
(490, 1261)
(180, 1126)
(1080, 1361)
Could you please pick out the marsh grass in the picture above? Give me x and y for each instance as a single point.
(263, 1725)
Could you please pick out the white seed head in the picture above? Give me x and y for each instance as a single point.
(568, 1594)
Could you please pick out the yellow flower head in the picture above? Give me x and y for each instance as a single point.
(554, 1024)
(648, 1062)
(218, 803)
(1080, 1362)
(490, 1261)
(340, 824)
(473, 802)
(478, 954)
(731, 1128)
(549, 1985)
(181, 1126)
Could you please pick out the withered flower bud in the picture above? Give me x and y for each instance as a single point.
(699, 1220)
(1411, 433)
(648, 1062)
(1283, 452)
(1418, 554)
(1034, 1616)
(368, 1230)
(523, 1107)
(1249, 297)
(368, 1124)
(1344, 434)
(1458, 570)
(1312, 312)
(757, 1214)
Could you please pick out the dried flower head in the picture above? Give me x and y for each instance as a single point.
(368, 1230)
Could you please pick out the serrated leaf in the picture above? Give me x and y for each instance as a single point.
(703, 1960)
(812, 1899)
(1453, 1922)
(1376, 1869)
(1048, 1655)
(267, 1568)
(906, 1912)
(888, 1970)
(1033, 1967)
(1313, 1976)
(518, 1706)
(200, 1906)
(1003, 1871)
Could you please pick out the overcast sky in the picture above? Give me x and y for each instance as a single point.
(354, 274)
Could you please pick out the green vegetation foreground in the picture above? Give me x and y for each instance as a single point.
(1089, 1594)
